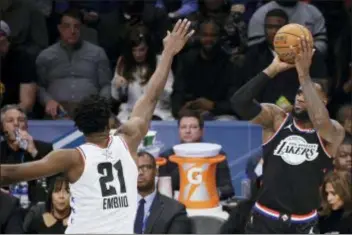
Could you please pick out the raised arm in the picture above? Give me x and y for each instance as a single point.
(54, 163)
(330, 130)
(137, 126)
(243, 103)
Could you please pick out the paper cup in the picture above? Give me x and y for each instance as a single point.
(149, 138)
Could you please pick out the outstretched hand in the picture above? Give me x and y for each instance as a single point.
(303, 59)
(175, 41)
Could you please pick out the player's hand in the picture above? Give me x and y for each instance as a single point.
(175, 41)
(303, 59)
(277, 66)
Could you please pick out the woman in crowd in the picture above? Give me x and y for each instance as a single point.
(133, 71)
(51, 217)
(336, 212)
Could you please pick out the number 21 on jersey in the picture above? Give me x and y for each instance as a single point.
(111, 199)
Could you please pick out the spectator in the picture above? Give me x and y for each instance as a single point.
(336, 213)
(191, 130)
(133, 72)
(71, 69)
(28, 28)
(343, 159)
(178, 8)
(344, 116)
(217, 10)
(103, 17)
(338, 31)
(17, 73)
(157, 214)
(341, 95)
(10, 216)
(299, 12)
(281, 90)
(235, 40)
(12, 117)
(145, 13)
(206, 78)
(51, 217)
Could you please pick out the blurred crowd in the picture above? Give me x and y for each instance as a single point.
(55, 53)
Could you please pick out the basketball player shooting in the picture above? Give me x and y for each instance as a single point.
(297, 148)
(103, 172)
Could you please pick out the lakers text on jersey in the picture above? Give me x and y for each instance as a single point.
(295, 150)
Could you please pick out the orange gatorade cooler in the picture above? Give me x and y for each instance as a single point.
(197, 167)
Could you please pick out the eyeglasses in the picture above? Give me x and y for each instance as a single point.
(145, 168)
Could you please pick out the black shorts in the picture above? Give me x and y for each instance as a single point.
(260, 222)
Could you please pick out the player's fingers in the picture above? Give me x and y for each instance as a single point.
(186, 29)
(182, 27)
(177, 26)
(304, 45)
(309, 47)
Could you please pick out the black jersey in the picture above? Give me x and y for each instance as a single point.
(294, 164)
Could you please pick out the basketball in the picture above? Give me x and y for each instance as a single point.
(286, 37)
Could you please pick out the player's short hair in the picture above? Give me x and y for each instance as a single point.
(277, 13)
(191, 113)
(147, 154)
(92, 115)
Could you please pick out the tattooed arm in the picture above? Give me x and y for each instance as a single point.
(316, 99)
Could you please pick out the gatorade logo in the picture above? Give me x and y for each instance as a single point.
(194, 175)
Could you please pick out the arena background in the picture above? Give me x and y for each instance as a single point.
(240, 140)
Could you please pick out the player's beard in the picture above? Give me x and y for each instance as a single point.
(302, 116)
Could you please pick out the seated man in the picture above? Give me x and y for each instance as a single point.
(157, 214)
(71, 69)
(205, 78)
(191, 130)
(14, 119)
(10, 216)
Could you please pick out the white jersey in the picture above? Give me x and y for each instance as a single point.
(104, 199)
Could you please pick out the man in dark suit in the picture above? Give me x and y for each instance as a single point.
(10, 216)
(191, 130)
(157, 214)
(13, 118)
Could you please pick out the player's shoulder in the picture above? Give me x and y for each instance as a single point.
(274, 109)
